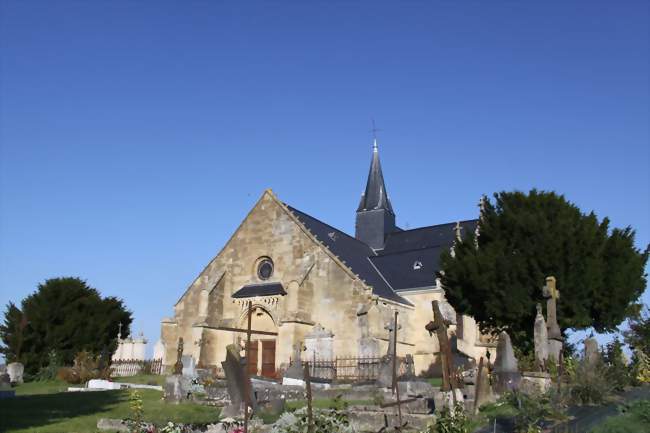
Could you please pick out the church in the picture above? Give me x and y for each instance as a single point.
(311, 284)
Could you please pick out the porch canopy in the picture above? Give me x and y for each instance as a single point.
(255, 290)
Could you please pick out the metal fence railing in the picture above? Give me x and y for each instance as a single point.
(351, 368)
(132, 367)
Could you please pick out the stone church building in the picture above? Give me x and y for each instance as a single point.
(310, 283)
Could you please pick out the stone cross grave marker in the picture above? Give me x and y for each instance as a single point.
(439, 326)
(178, 366)
(552, 294)
(310, 414)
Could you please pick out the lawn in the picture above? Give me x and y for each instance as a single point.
(41, 407)
(634, 419)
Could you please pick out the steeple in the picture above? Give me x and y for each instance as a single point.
(375, 195)
(375, 216)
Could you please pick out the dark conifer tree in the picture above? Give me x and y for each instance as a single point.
(64, 316)
(497, 278)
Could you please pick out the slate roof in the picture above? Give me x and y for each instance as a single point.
(390, 270)
(354, 253)
(264, 289)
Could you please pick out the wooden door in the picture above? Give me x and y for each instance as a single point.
(268, 358)
(252, 361)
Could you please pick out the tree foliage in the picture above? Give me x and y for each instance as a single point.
(64, 316)
(498, 276)
(638, 334)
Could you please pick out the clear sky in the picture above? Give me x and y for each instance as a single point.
(136, 135)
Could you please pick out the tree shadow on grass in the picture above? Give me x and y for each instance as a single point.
(32, 411)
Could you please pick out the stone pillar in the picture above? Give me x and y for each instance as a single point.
(541, 340)
(592, 354)
(555, 339)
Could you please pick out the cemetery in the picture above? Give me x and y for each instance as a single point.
(548, 393)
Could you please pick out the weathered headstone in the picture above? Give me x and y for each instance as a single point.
(15, 371)
(319, 343)
(592, 353)
(506, 368)
(178, 366)
(239, 386)
(483, 390)
(5, 387)
(189, 366)
(295, 367)
(392, 329)
(385, 377)
(176, 388)
(555, 339)
(541, 340)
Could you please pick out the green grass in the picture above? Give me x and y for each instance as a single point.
(42, 387)
(635, 419)
(39, 408)
(146, 379)
(435, 381)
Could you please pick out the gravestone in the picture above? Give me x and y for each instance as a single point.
(541, 340)
(5, 387)
(178, 366)
(555, 339)
(592, 353)
(177, 386)
(506, 369)
(15, 371)
(484, 390)
(238, 383)
(295, 367)
(392, 329)
(189, 366)
(385, 376)
(409, 368)
(319, 343)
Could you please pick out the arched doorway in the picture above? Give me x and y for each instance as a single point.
(263, 347)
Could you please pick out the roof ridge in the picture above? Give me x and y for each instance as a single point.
(392, 253)
(432, 226)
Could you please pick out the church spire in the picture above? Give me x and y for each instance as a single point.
(375, 196)
(375, 216)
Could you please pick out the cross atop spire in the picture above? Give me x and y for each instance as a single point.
(375, 195)
(374, 135)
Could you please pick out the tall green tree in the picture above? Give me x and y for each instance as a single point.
(498, 276)
(64, 316)
(638, 334)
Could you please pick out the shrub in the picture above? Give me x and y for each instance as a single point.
(451, 420)
(50, 371)
(588, 384)
(532, 409)
(641, 367)
(325, 421)
(86, 366)
(618, 373)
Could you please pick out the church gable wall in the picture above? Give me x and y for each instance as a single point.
(319, 290)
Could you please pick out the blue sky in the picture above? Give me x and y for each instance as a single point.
(136, 135)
